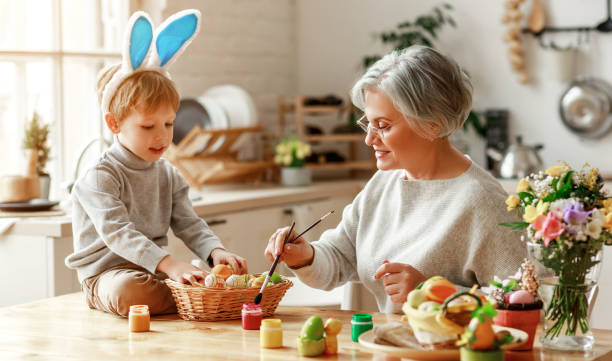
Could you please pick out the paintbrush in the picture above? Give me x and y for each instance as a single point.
(257, 299)
(263, 287)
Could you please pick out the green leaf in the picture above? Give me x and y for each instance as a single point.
(516, 226)
(475, 121)
(526, 197)
(496, 284)
(511, 285)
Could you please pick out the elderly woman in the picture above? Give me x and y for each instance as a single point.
(429, 210)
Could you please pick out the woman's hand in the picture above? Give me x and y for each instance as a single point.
(296, 254)
(221, 256)
(180, 271)
(399, 279)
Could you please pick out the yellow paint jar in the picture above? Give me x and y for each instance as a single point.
(139, 318)
(271, 333)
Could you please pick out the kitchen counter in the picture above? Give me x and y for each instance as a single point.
(214, 200)
(62, 328)
(231, 198)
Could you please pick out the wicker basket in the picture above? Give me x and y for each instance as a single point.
(195, 303)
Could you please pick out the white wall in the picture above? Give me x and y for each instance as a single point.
(247, 43)
(333, 37)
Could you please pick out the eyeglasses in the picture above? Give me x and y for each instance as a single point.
(364, 124)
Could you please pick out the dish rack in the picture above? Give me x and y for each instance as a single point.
(196, 303)
(209, 156)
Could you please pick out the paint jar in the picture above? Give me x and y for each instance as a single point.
(360, 323)
(271, 333)
(139, 318)
(251, 316)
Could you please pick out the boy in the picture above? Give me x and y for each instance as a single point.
(124, 205)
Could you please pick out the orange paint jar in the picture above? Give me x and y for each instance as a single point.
(139, 318)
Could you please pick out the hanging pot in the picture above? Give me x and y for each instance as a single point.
(585, 107)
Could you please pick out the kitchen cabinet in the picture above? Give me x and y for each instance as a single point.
(33, 250)
(246, 233)
(32, 268)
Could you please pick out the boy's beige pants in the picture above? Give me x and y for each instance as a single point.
(119, 287)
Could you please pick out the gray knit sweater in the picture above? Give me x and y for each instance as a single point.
(122, 209)
(446, 227)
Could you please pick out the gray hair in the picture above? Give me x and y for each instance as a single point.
(428, 88)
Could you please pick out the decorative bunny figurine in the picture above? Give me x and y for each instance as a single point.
(159, 51)
(332, 329)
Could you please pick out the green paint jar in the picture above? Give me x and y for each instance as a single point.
(360, 323)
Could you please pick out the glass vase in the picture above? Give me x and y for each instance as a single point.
(568, 292)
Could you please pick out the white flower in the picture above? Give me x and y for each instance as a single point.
(540, 183)
(576, 178)
(281, 149)
(593, 228)
(598, 215)
(299, 153)
(287, 159)
(581, 237)
(278, 159)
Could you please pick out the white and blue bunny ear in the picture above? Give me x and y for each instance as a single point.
(136, 48)
(173, 36)
(139, 35)
(169, 42)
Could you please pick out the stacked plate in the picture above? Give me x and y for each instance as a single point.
(219, 107)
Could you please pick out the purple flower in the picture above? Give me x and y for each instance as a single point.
(575, 214)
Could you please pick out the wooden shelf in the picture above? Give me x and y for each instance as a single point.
(335, 138)
(297, 107)
(362, 165)
(322, 109)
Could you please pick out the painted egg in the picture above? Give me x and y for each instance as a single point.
(236, 281)
(438, 290)
(521, 297)
(212, 281)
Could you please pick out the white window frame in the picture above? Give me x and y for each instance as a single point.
(57, 56)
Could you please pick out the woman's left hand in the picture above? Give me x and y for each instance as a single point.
(399, 279)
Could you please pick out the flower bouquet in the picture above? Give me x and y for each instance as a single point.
(291, 154)
(568, 219)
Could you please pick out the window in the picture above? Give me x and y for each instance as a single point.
(50, 54)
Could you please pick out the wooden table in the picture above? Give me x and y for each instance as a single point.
(63, 328)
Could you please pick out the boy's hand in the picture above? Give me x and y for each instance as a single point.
(221, 256)
(180, 271)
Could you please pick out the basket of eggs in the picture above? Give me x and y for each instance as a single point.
(221, 296)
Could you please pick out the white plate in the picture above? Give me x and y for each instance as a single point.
(236, 102)
(238, 106)
(367, 340)
(218, 119)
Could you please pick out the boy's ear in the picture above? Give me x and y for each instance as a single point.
(111, 122)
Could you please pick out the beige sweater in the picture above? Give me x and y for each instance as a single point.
(446, 227)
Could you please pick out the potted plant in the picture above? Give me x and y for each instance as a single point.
(291, 153)
(36, 139)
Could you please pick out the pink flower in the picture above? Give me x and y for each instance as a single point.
(548, 228)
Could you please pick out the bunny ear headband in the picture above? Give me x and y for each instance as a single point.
(170, 40)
